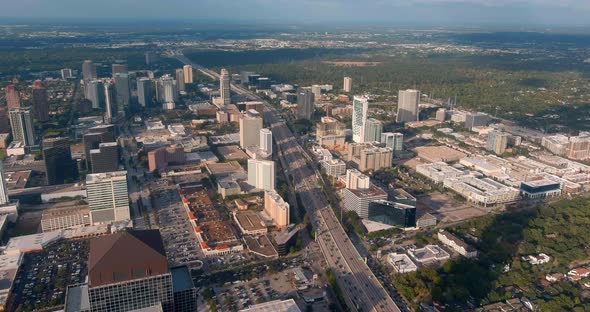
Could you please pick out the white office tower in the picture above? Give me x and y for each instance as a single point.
(167, 92)
(317, 92)
(21, 122)
(356, 180)
(3, 189)
(88, 70)
(393, 140)
(108, 197)
(261, 174)
(373, 129)
(360, 107)
(95, 93)
(180, 80)
(266, 141)
(276, 208)
(188, 73)
(224, 86)
(407, 105)
(109, 101)
(250, 126)
(347, 84)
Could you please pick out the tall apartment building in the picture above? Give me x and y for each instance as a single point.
(145, 93)
(12, 97)
(330, 133)
(578, 147)
(360, 108)
(180, 80)
(58, 160)
(276, 208)
(250, 126)
(266, 141)
(497, 142)
(375, 158)
(188, 73)
(21, 122)
(261, 174)
(123, 88)
(393, 140)
(40, 101)
(105, 158)
(224, 86)
(119, 69)
(167, 92)
(356, 180)
(94, 91)
(347, 84)
(305, 103)
(108, 197)
(373, 130)
(408, 102)
(88, 70)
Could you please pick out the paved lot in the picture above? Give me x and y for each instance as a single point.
(446, 209)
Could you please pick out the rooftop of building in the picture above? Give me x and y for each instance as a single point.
(181, 279)
(56, 212)
(220, 169)
(274, 306)
(456, 240)
(17, 179)
(100, 177)
(231, 152)
(372, 191)
(261, 245)
(250, 220)
(541, 183)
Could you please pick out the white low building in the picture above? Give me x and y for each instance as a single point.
(456, 244)
(401, 263)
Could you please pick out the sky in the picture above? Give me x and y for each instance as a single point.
(425, 12)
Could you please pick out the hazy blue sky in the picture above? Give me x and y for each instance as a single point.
(341, 11)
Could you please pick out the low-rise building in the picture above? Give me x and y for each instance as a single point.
(334, 167)
(358, 200)
(482, 191)
(64, 218)
(540, 189)
(456, 244)
(428, 254)
(401, 263)
(438, 172)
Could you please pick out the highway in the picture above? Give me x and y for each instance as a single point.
(360, 288)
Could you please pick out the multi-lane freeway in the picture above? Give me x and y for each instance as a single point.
(360, 288)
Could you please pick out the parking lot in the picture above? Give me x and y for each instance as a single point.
(178, 235)
(44, 275)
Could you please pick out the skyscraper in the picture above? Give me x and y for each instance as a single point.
(276, 208)
(407, 105)
(167, 92)
(250, 126)
(88, 70)
(12, 97)
(119, 69)
(261, 174)
(347, 84)
(393, 140)
(360, 107)
(373, 129)
(40, 101)
(110, 106)
(95, 93)
(123, 93)
(144, 92)
(95, 136)
(3, 189)
(224, 86)
(107, 197)
(305, 103)
(266, 141)
(105, 158)
(497, 142)
(188, 74)
(58, 160)
(180, 80)
(21, 122)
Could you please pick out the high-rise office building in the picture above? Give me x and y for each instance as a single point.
(167, 92)
(40, 101)
(188, 73)
(305, 103)
(123, 92)
(356, 180)
(408, 102)
(66, 73)
(250, 126)
(119, 69)
(108, 197)
(276, 208)
(145, 93)
(392, 213)
(347, 84)
(94, 136)
(373, 129)
(497, 142)
(21, 122)
(261, 174)
(3, 188)
(360, 108)
(95, 93)
(105, 158)
(58, 160)
(12, 97)
(476, 120)
(110, 106)
(88, 70)
(180, 80)
(266, 141)
(224, 86)
(330, 133)
(393, 140)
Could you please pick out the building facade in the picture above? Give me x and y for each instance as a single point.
(393, 213)
(276, 208)
(250, 126)
(305, 103)
(408, 105)
(40, 101)
(360, 107)
(373, 130)
(108, 197)
(347, 84)
(330, 133)
(261, 174)
(21, 122)
(224, 86)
